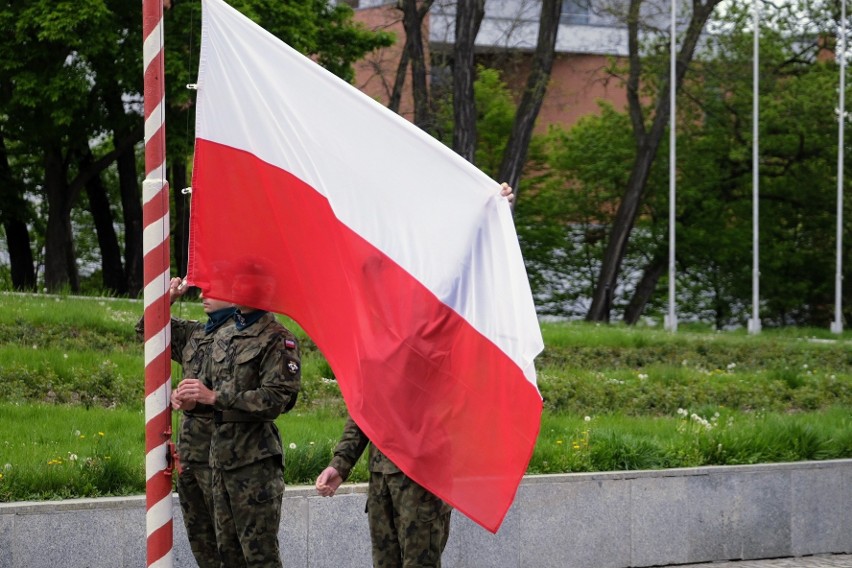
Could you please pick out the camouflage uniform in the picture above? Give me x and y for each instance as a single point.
(409, 526)
(191, 345)
(256, 375)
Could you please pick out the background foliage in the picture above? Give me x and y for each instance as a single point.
(615, 397)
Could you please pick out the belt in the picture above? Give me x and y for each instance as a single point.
(200, 410)
(223, 416)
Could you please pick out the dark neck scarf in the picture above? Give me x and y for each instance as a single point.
(217, 318)
(245, 320)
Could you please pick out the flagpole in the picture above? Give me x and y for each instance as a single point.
(671, 319)
(837, 324)
(754, 321)
(156, 276)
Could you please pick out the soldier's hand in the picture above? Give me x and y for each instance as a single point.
(507, 192)
(177, 288)
(193, 390)
(177, 403)
(328, 482)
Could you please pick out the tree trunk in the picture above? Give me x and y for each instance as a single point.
(645, 289)
(515, 155)
(399, 82)
(20, 254)
(111, 267)
(131, 207)
(412, 21)
(60, 266)
(13, 216)
(647, 143)
(469, 14)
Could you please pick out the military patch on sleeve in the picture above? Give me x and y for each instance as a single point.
(293, 367)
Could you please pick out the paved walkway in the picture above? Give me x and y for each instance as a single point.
(819, 561)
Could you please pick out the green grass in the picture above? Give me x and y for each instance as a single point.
(615, 398)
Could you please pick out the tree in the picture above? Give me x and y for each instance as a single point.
(70, 90)
(14, 214)
(563, 219)
(469, 14)
(647, 140)
(533, 95)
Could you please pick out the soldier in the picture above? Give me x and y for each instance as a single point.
(256, 377)
(191, 345)
(409, 526)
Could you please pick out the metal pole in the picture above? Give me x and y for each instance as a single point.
(754, 321)
(671, 319)
(837, 324)
(156, 275)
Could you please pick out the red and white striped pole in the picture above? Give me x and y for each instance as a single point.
(156, 255)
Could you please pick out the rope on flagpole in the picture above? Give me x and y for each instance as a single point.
(156, 275)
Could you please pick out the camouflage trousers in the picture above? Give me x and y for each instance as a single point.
(409, 526)
(247, 508)
(195, 492)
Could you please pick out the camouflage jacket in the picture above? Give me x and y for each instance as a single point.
(256, 374)
(350, 447)
(191, 348)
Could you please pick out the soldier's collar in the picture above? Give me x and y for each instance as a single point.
(245, 320)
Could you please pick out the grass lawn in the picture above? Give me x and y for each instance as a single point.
(615, 398)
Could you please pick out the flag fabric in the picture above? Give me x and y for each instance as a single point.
(397, 257)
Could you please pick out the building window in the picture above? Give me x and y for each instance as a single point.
(576, 12)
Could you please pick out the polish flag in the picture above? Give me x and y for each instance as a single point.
(397, 257)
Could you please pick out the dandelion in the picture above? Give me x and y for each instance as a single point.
(292, 445)
(1, 476)
(76, 432)
(101, 434)
(588, 418)
(65, 355)
(72, 457)
(558, 441)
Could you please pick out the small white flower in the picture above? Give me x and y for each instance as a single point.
(731, 366)
(643, 376)
(805, 366)
(588, 418)
(292, 445)
(72, 457)
(76, 432)
(7, 467)
(65, 355)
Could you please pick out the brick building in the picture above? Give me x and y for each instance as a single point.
(586, 42)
